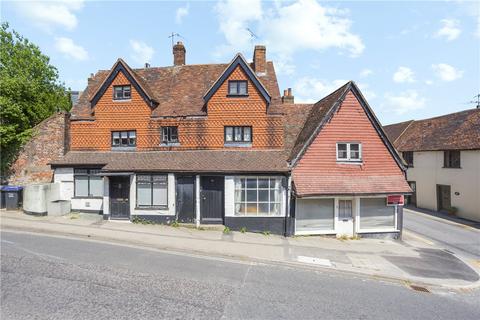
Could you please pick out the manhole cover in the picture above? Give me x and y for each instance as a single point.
(418, 288)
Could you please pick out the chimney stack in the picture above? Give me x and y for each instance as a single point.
(179, 54)
(288, 96)
(260, 59)
(147, 65)
(90, 79)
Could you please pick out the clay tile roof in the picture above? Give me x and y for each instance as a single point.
(179, 90)
(181, 161)
(393, 131)
(455, 131)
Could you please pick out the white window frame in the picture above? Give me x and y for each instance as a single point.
(281, 203)
(335, 218)
(349, 159)
(383, 230)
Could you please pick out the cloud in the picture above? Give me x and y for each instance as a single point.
(71, 50)
(308, 89)
(286, 27)
(49, 15)
(450, 29)
(181, 13)
(446, 72)
(404, 102)
(365, 73)
(403, 74)
(141, 51)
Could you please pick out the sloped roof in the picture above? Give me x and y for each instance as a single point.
(455, 131)
(178, 90)
(234, 161)
(394, 131)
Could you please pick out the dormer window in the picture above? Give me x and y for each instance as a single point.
(122, 92)
(349, 152)
(237, 88)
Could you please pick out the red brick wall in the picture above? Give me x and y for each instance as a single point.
(47, 144)
(198, 133)
(349, 124)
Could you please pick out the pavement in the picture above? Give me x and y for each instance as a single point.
(412, 260)
(61, 277)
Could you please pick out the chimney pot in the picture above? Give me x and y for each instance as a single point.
(260, 59)
(147, 65)
(288, 96)
(179, 53)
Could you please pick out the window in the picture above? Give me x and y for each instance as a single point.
(408, 157)
(315, 215)
(349, 152)
(374, 214)
(451, 159)
(87, 183)
(169, 135)
(237, 88)
(238, 134)
(258, 196)
(152, 191)
(121, 92)
(124, 138)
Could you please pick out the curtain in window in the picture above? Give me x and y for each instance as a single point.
(258, 196)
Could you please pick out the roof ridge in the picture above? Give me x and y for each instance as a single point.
(448, 114)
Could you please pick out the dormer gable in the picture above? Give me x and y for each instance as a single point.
(136, 81)
(238, 61)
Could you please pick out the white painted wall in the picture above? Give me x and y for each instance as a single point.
(230, 197)
(171, 199)
(428, 171)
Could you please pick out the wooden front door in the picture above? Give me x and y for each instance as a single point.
(443, 197)
(212, 199)
(120, 197)
(186, 198)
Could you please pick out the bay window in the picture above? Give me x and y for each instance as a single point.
(258, 196)
(152, 191)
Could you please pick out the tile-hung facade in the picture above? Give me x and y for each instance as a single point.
(218, 144)
(443, 158)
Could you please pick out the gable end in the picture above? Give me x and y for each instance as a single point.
(238, 61)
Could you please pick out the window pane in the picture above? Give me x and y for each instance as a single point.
(238, 134)
(374, 214)
(342, 151)
(315, 214)
(174, 134)
(228, 133)
(126, 92)
(252, 195)
(232, 87)
(144, 194)
(263, 208)
(96, 186)
(159, 194)
(251, 208)
(143, 178)
(275, 209)
(263, 195)
(247, 134)
(117, 92)
(242, 87)
(81, 186)
(252, 183)
(354, 151)
(263, 183)
(240, 209)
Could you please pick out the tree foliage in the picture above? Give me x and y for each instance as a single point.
(29, 92)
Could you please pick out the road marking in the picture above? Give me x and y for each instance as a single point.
(418, 237)
(313, 260)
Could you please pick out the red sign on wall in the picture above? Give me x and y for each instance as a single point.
(395, 200)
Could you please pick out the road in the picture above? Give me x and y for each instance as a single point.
(461, 240)
(60, 278)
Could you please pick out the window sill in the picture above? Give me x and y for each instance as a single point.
(152, 208)
(86, 197)
(122, 100)
(237, 95)
(124, 148)
(451, 167)
(170, 144)
(238, 144)
(349, 162)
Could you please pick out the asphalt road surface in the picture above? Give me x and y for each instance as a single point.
(59, 278)
(461, 240)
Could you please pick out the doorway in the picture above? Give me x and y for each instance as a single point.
(212, 199)
(185, 199)
(444, 201)
(120, 197)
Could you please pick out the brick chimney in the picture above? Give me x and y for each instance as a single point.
(260, 59)
(179, 54)
(288, 96)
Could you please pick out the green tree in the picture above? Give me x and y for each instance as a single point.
(29, 92)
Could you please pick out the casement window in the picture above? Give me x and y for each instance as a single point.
(122, 92)
(451, 159)
(152, 191)
(87, 183)
(124, 139)
(349, 152)
(238, 134)
(375, 214)
(408, 157)
(169, 135)
(258, 196)
(237, 88)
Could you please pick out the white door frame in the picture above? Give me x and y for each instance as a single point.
(341, 224)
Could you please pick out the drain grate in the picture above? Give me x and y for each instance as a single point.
(420, 289)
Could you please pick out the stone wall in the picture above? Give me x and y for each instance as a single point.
(48, 143)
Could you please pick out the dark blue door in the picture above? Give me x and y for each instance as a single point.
(212, 199)
(186, 199)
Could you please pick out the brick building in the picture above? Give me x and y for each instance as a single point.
(217, 143)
